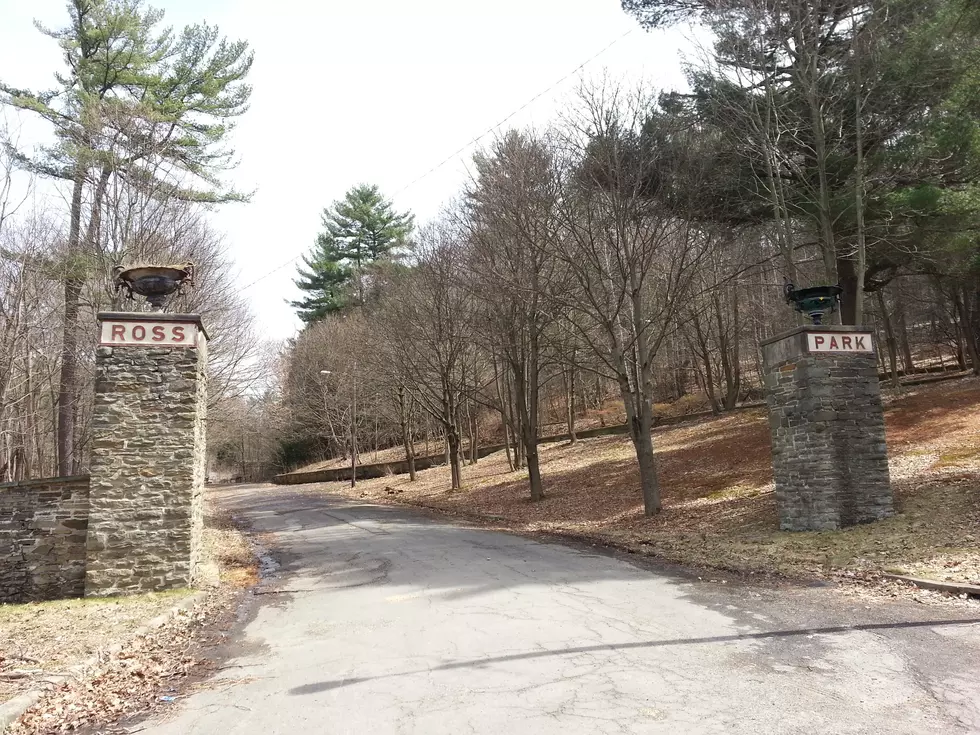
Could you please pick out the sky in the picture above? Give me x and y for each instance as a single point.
(378, 92)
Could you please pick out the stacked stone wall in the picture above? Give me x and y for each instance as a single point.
(146, 512)
(200, 463)
(42, 538)
(830, 461)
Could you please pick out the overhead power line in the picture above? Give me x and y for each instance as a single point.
(519, 110)
(475, 140)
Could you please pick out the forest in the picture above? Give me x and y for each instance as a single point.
(138, 125)
(637, 249)
(625, 260)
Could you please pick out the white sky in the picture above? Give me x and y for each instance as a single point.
(380, 92)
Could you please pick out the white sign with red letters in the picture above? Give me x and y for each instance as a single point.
(148, 333)
(839, 342)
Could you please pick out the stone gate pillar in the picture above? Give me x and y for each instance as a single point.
(146, 512)
(828, 432)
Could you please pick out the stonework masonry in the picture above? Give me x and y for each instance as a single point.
(147, 466)
(828, 433)
(42, 538)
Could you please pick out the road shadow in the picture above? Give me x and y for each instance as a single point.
(328, 685)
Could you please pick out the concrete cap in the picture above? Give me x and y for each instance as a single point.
(155, 316)
(807, 328)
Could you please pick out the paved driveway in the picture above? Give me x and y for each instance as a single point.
(385, 621)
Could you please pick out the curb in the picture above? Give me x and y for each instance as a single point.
(11, 710)
(956, 588)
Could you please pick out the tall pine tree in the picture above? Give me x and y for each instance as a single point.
(360, 232)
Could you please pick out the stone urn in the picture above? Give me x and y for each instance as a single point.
(154, 282)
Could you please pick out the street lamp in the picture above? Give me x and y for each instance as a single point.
(353, 423)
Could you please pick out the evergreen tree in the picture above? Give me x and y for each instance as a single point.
(846, 113)
(361, 232)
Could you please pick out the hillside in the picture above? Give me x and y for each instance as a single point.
(719, 508)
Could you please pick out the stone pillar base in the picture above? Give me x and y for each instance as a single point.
(829, 457)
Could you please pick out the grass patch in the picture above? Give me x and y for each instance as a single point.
(46, 638)
(964, 457)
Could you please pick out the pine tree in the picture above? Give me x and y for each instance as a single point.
(360, 232)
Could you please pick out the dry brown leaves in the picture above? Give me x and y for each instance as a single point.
(149, 667)
(47, 638)
(132, 677)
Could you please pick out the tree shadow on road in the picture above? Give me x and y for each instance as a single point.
(324, 686)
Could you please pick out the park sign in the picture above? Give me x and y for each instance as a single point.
(149, 330)
(839, 342)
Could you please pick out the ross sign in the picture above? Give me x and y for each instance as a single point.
(148, 333)
(839, 342)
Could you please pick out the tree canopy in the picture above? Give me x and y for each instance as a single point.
(361, 233)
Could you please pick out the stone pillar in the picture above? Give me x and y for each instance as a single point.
(828, 432)
(146, 512)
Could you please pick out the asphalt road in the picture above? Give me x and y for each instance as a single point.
(382, 620)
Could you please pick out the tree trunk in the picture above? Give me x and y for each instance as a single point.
(908, 363)
(69, 462)
(969, 334)
(353, 456)
(504, 417)
(828, 245)
(525, 392)
(638, 404)
(889, 339)
(407, 439)
(729, 361)
(453, 444)
(474, 439)
(859, 183)
(704, 354)
(641, 428)
(570, 404)
(73, 291)
(848, 281)
(450, 422)
(518, 428)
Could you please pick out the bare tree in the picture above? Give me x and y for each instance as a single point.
(514, 229)
(630, 249)
(427, 320)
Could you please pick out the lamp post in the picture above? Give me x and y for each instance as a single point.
(353, 424)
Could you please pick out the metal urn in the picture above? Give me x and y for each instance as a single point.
(816, 302)
(154, 282)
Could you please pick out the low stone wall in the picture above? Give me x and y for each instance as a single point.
(43, 525)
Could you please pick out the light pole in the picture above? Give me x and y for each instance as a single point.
(353, 424)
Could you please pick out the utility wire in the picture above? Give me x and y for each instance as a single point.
(520, 109)
(475, 140)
